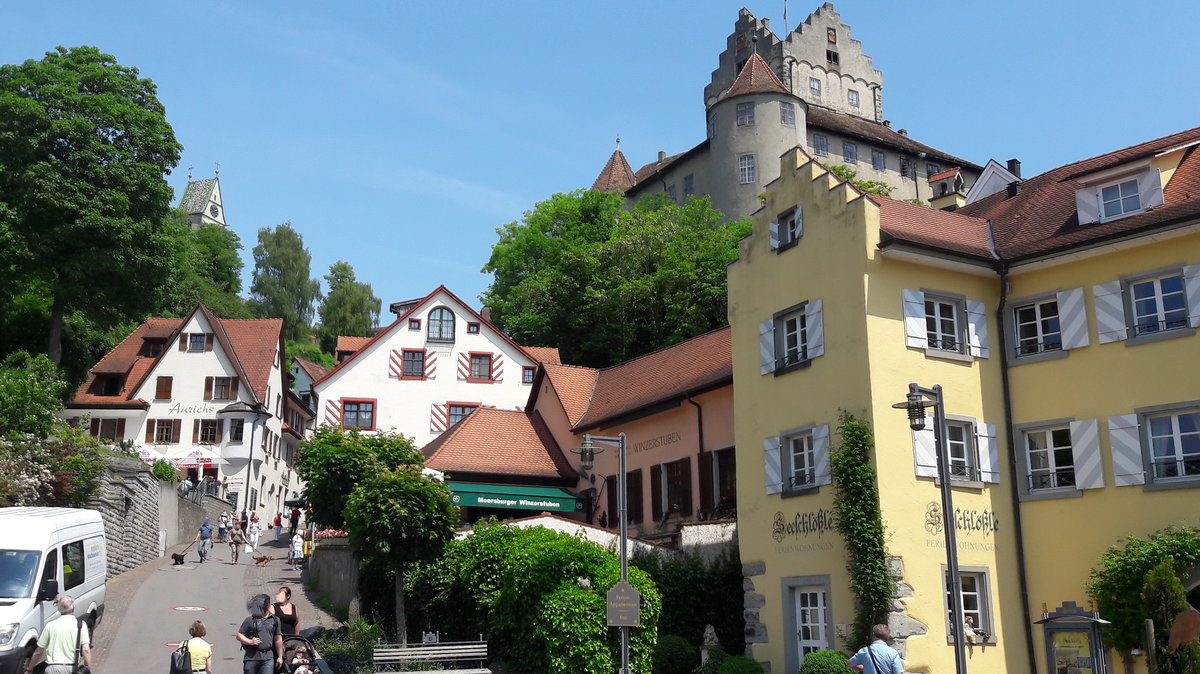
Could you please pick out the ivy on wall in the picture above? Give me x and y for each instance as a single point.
(859, 521)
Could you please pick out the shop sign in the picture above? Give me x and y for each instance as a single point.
(180, 408)
(624, 606)
(818, 522)
(656, 442)
(967, 521)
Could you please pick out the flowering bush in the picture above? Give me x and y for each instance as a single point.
(331, 533)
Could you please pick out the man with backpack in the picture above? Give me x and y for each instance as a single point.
(261, 638)
(63, 642)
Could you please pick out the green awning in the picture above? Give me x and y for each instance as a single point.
(549, 499)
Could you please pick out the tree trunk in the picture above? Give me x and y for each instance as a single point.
(401, 620)
(54, 342)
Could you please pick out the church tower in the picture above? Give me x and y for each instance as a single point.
(202, 202)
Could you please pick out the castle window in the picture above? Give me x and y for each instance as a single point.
(820, 145)
(787, 114)
(932, 169)
(746, 171)
(814, 86)
(850, 153)
(831, 34)
(712, 126)
(831, 57)
(745, 114)
(689, 185)
(852, 97)
(905, 167)
(878, 160)
(671, 192)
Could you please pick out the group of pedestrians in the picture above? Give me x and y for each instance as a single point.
(243, 535)
(260, 637)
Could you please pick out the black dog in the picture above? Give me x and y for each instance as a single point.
(178, 557)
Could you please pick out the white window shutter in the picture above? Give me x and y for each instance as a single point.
(1150, 190)
(1110, 312)
(774, 236)
(914, 319)
(821, 453)
(774, 474)
(977, 335)
(1087, 205)
(1072, 318)
(814, 330)
(1191, 288)
(1085, 453)
(988, 452)
(925, 450)
(1125, 440)
(766, 347)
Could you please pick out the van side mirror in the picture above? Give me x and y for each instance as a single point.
(48, 591)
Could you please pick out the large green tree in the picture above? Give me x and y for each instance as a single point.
(206, 267)
(350, 307)
(282, 286)
(84, 148)
(604, 283)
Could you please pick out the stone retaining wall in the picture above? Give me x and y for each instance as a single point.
(192, 513)
(335, 571)
(128, 503)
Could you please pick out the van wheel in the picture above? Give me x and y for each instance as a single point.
(26, 658)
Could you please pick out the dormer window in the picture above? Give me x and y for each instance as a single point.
(152, 347)
(441, 325)
(1118, 193)
(1120, 198)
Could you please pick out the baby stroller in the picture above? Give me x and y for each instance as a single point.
(293, 643)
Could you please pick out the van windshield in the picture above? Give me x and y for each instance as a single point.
(18, 569)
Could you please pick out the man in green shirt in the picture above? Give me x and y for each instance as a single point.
(61, 638)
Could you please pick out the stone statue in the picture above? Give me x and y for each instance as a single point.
(710, 642)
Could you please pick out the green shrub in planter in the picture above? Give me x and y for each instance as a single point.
(163, 471)
(824, 662)
(674, 655)
(739, 664)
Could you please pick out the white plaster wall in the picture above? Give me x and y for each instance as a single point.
(405, 406)
(603, 537)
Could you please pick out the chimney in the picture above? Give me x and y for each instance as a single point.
(887, 123)
(486, 313)
(1014, 167)
(1014, 188)
(766, 23)
(903, 132)
(661, 156)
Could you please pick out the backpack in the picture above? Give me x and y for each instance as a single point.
(181, 659)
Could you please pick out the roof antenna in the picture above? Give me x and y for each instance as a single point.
(785, 30)
(618, 142)
(189, 172)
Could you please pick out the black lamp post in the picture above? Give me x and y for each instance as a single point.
(587, 458)
(917, 400)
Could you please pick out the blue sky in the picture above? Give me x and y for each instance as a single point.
(399, 135)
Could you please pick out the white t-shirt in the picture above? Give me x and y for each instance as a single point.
(58, 640)
(297, 544)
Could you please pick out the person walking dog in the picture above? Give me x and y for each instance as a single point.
(204, 535)
(64, 642)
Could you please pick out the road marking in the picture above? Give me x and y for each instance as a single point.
(188, 608)
(173, 644)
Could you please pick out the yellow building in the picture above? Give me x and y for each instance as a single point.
(1055, 343)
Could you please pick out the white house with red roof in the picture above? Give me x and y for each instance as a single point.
(439, 361)
(209, 395)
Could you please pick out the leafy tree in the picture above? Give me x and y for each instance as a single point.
(86, 145)
(281, 286)
(31, 391)
(1117, 585)
(206, 267)
(333, 462)
(869, 186)
(605, 284)
(1163, 599)
(310, 352)
(350, 307)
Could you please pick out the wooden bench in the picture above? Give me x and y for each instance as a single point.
(388, 658)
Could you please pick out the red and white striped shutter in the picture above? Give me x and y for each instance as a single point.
(430, 363)
(396, 364)
(498, 367)
(333, 412)
(439, 418)
(464, 366)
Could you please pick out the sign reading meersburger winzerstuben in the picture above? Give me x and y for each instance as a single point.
(624, 606)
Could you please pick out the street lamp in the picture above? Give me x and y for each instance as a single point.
(915, 403)
(587, 458)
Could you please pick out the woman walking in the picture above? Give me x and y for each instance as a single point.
(254, 531)
(236, 540)
(278, 523)
(200, 649)
(286, 611)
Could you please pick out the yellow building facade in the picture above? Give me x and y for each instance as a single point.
(839, 300)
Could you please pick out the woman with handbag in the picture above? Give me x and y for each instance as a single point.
(200, 649)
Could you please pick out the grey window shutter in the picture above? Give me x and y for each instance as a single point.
(1150, 191)
(977, 335)
(1191, 287)
(774, 475)
(1110, 312)
(814, 330)
(925, 450)
(799, 215)
(914, 319)
(1072, 318)
(774, 236)
(988, 452)
(1087, 205)
(1125, 440)
(1085, 452)
(766, 346)
(821, 454)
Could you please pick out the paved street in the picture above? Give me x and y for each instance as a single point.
(152, 606)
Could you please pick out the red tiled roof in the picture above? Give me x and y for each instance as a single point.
(933, 227)
(616, 175)
(123, 355)
(351, 344)
(756, 78)
(818, 117)
(696, 364)
(649, 169)
(948, 173)
(574, 385)
(255, 342)
(544, 354)
(1042, 217)
(314, 371)
(499, 442)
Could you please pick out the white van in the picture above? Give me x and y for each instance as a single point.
(45, 552)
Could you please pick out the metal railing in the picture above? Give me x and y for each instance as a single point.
(1145, 326)
(948, 344)
(1029, 347)
(1064, 477)
(1188, 466)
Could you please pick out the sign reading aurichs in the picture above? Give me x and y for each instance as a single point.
(624, 606)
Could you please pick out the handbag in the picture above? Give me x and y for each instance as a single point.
(181, 659)
(77, 668)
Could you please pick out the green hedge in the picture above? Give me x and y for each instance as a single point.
(695, 594)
